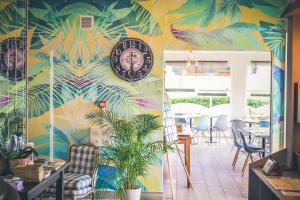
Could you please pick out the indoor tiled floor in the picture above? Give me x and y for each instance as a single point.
(211, 173)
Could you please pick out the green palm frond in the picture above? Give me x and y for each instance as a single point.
(103, 119)
(145, 22)
(7, 13)
(230, 7)
(128, 147)
(274, 37)
(39, 98)
(10, 123)
(15, 92)
(120, 100)
(76, 9)
(195, 11)
(145, 123)
(108, 29)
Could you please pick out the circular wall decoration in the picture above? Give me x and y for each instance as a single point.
(12, 58)
(131, 59)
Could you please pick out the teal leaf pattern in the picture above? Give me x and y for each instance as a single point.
(274, 37)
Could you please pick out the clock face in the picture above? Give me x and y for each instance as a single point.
(12, 58)
(131, 59)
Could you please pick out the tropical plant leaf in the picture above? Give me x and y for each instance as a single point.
(274, 37)
(61, 143)
(140, 19)
(76, 9)
(230, 7)
(201, 12)
(222, 38)
(39, 98)
(253, 3)
(7, 13)
(130, 145)
(242, 26)
(39, 13)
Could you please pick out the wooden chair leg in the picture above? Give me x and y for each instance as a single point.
(171, 177)
(245, 164)
(235, 158)
(182, 162)
(232, 147)
(251, 158)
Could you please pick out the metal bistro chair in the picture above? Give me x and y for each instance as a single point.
(202, 126)
(221, 126)
(80, 176)
(249, 150)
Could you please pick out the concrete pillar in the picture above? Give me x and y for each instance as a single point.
(238, 73)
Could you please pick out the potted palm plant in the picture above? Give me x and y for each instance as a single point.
(11, 153)
(10, 124)
(130, 149)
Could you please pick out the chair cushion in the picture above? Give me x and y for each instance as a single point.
(72, 192)
(75, 181)
(82, 159)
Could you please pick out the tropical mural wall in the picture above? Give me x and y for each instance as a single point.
(76, 61)
(12, 58)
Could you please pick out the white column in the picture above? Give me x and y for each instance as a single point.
(238, 73)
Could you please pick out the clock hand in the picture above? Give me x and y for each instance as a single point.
(131, 66)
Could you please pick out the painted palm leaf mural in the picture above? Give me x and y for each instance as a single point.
(81, 71)
(274, 37)
(12, 23)
(81, 68)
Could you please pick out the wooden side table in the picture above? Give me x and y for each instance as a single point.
(186, 141)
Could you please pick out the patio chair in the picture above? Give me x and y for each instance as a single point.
(79, 177)
(237, 143)
(203, 125)
(264, 123)
(180, 120)
(238, 124)
(220, 126)
(249, 151)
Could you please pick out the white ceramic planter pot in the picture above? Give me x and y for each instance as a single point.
(134, 194)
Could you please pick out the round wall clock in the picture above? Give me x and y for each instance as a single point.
(131, 59)
(12, 58)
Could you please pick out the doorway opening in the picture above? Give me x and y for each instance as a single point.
(217, 98)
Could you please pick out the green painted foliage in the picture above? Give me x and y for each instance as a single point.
(196, 11)
(237, 36)
(274, 37)
(231, 8)
(130, 145)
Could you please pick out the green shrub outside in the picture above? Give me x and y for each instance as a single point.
(255, 103)
(217, 100)
(204, 101)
